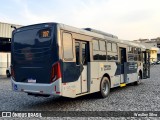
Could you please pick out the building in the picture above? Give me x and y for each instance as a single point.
(152, 46)
(5, 45)
(157, 40)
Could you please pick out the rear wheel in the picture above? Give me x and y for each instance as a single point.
(8, 74)
(104, 87)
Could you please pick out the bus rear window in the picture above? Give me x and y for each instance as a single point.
(34, 38)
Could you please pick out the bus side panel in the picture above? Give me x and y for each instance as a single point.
(69, 89)
(113, 70)
(94, 75)
(132, 77)
(99, 69)
(70, 72)
(133, 69)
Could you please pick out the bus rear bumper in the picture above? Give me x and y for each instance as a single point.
(37, 88)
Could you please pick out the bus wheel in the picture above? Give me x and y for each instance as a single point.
(138, 80)
(8, 74)
(104, 87)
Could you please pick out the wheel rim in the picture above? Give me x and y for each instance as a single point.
(105, 87)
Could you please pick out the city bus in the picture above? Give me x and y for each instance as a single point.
(56, 59)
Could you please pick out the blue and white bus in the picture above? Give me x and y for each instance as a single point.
(57, 59)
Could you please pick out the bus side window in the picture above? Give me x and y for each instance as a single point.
(77, 46)
(84, 54)
(139, 55)
(132, 54)
(67, 47)
(114, 47)
(136, 54)
(109, 48)
(102, 52)
(95, 50)
(112, 53)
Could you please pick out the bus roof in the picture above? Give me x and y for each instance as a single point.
(100, 35)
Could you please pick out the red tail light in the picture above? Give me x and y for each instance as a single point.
(56, 72)
(12, 72)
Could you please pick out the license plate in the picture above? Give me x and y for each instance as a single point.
(30, 80)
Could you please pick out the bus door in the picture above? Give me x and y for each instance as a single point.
(123, 63)
(82, 59)
(146, 64)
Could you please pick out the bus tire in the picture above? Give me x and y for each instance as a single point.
(139, 79)
(8, 74)
(104, 88)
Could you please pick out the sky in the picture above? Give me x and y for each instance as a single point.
(128, 19)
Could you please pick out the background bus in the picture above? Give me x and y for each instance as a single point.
(56, 59)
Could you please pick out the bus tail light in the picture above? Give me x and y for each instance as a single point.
(56, 72)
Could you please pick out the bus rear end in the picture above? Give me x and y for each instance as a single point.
(35, 66)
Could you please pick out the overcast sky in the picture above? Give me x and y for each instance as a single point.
(128, 19)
